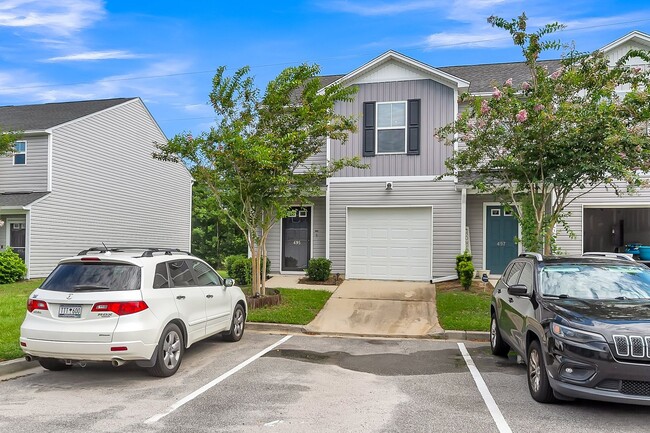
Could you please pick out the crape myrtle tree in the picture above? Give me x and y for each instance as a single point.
(541, 145)
(8, 141)
(254, 160)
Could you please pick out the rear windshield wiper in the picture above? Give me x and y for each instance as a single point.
(562, 296)
(89, 288)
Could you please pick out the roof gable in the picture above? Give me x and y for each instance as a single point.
(634, 36)
(40, 117)
(393, 66)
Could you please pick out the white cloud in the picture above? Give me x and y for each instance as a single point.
(94, 55)
(377, 8)
(486, 38)
(62, 17)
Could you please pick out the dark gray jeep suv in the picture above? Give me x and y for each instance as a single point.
(581, 324)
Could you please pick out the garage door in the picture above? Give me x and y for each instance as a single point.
(389, 243)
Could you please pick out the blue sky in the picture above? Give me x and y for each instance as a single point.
(167, 51)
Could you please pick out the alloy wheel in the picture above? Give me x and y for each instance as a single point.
(171, 349)
(534, 370)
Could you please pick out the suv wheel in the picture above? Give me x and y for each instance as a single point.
(538, 384)
(237, 325)
(53, 364)
(170, 352)
(498, 346)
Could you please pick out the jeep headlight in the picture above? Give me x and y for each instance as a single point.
(576, 335)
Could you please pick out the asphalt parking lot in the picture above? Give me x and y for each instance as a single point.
(305, 384)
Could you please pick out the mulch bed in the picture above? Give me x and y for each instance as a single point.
(331, 281)
(271, 298)
(454, 286)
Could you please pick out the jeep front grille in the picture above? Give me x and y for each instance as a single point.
(634, 346)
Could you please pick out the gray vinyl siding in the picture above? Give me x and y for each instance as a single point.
(599, 196)
(442, 195)
(106, 187)
(29, 177)
(319, 158)
(437, 109)
(274, 241)
(476, 222)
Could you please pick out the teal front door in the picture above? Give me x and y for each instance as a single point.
(501, 231)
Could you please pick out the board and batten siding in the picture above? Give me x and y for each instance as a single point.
(107, 187)
(30, 177)
(441, 195)
(274, 241)
(599, 196)
(437, 110)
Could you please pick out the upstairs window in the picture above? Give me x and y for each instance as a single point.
(391, 127)
(20, 153)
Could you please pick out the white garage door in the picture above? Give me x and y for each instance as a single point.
(389, 243)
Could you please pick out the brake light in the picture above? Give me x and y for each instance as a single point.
(120, 308)
(35, 304)
(90, 259)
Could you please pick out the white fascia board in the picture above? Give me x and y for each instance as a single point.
(367, 179)
(433, 73)
(636, 35)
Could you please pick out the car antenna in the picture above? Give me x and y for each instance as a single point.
(105, 247)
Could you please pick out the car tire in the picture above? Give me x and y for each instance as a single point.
(497, 345)
(170, 352)
(538, 384)
(53, 364)
(237, 325)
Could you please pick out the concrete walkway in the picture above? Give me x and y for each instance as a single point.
(380, 308)
(291, 282)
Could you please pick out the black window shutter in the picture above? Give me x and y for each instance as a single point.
(368, 129)
(413, 127)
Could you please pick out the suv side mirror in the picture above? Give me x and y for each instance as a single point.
(518, 290)
(230, 282)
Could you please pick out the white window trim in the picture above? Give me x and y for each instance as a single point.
(13, 156)
(377, 127)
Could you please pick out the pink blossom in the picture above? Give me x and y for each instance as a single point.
(622, 155)
(555, 75)
(496, 94)
(508, 82)
(485, 108)
(538, 107)
(525, 86)
(636, 70)
(189, 137)
(522, 116)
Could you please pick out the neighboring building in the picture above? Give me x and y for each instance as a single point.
(396, 220)
(82, 175)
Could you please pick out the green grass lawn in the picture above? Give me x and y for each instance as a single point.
(13, 304)
(298, 307)
(462, 310)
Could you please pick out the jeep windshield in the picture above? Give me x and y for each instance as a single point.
(93, 277)
(595, 281)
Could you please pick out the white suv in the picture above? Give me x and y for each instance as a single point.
(129, 304)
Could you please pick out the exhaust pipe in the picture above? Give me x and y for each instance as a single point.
(117, 362)
(29, 358)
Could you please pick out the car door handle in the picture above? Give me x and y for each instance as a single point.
(209, 296)
(511, 300)
(180, 297)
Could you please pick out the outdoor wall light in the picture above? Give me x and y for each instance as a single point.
(389, 186)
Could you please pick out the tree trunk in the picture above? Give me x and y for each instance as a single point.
(263, 265)
(548, 240)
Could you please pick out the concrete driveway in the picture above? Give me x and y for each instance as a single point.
(379, 308)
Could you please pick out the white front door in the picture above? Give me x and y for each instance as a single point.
(389, 243)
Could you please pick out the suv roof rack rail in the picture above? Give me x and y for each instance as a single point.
(608, 255)
(536, 256)
(147, 251)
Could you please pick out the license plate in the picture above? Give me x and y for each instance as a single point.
(73, 311)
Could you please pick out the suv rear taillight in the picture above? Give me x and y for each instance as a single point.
(120, 308)
(35, 304)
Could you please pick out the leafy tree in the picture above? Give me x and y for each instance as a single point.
(254, 159)
(542, 145)
(214, 235)
(7, 141)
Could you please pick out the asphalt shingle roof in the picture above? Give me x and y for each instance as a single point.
(12, 199)
(43, 116)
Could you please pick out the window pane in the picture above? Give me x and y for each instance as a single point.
(513, 277)
(383, 115)
(399, 114)
(67, 277)
(181, 274)
(205, 275)
(391, 140)
(20, 147)
(526, 276)
(19, 159)
(161, 279)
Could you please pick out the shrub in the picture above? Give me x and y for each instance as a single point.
(466, 273)
(241, 268)
(465, 257)
(12, 267)
(319, 269)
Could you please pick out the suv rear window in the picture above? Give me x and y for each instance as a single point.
(93, 277)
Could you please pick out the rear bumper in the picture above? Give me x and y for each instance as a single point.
(79, 351)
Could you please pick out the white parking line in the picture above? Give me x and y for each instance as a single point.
(219, 379)
(500, 421)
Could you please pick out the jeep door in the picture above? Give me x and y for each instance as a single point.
(508, 318)
(521, 307)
